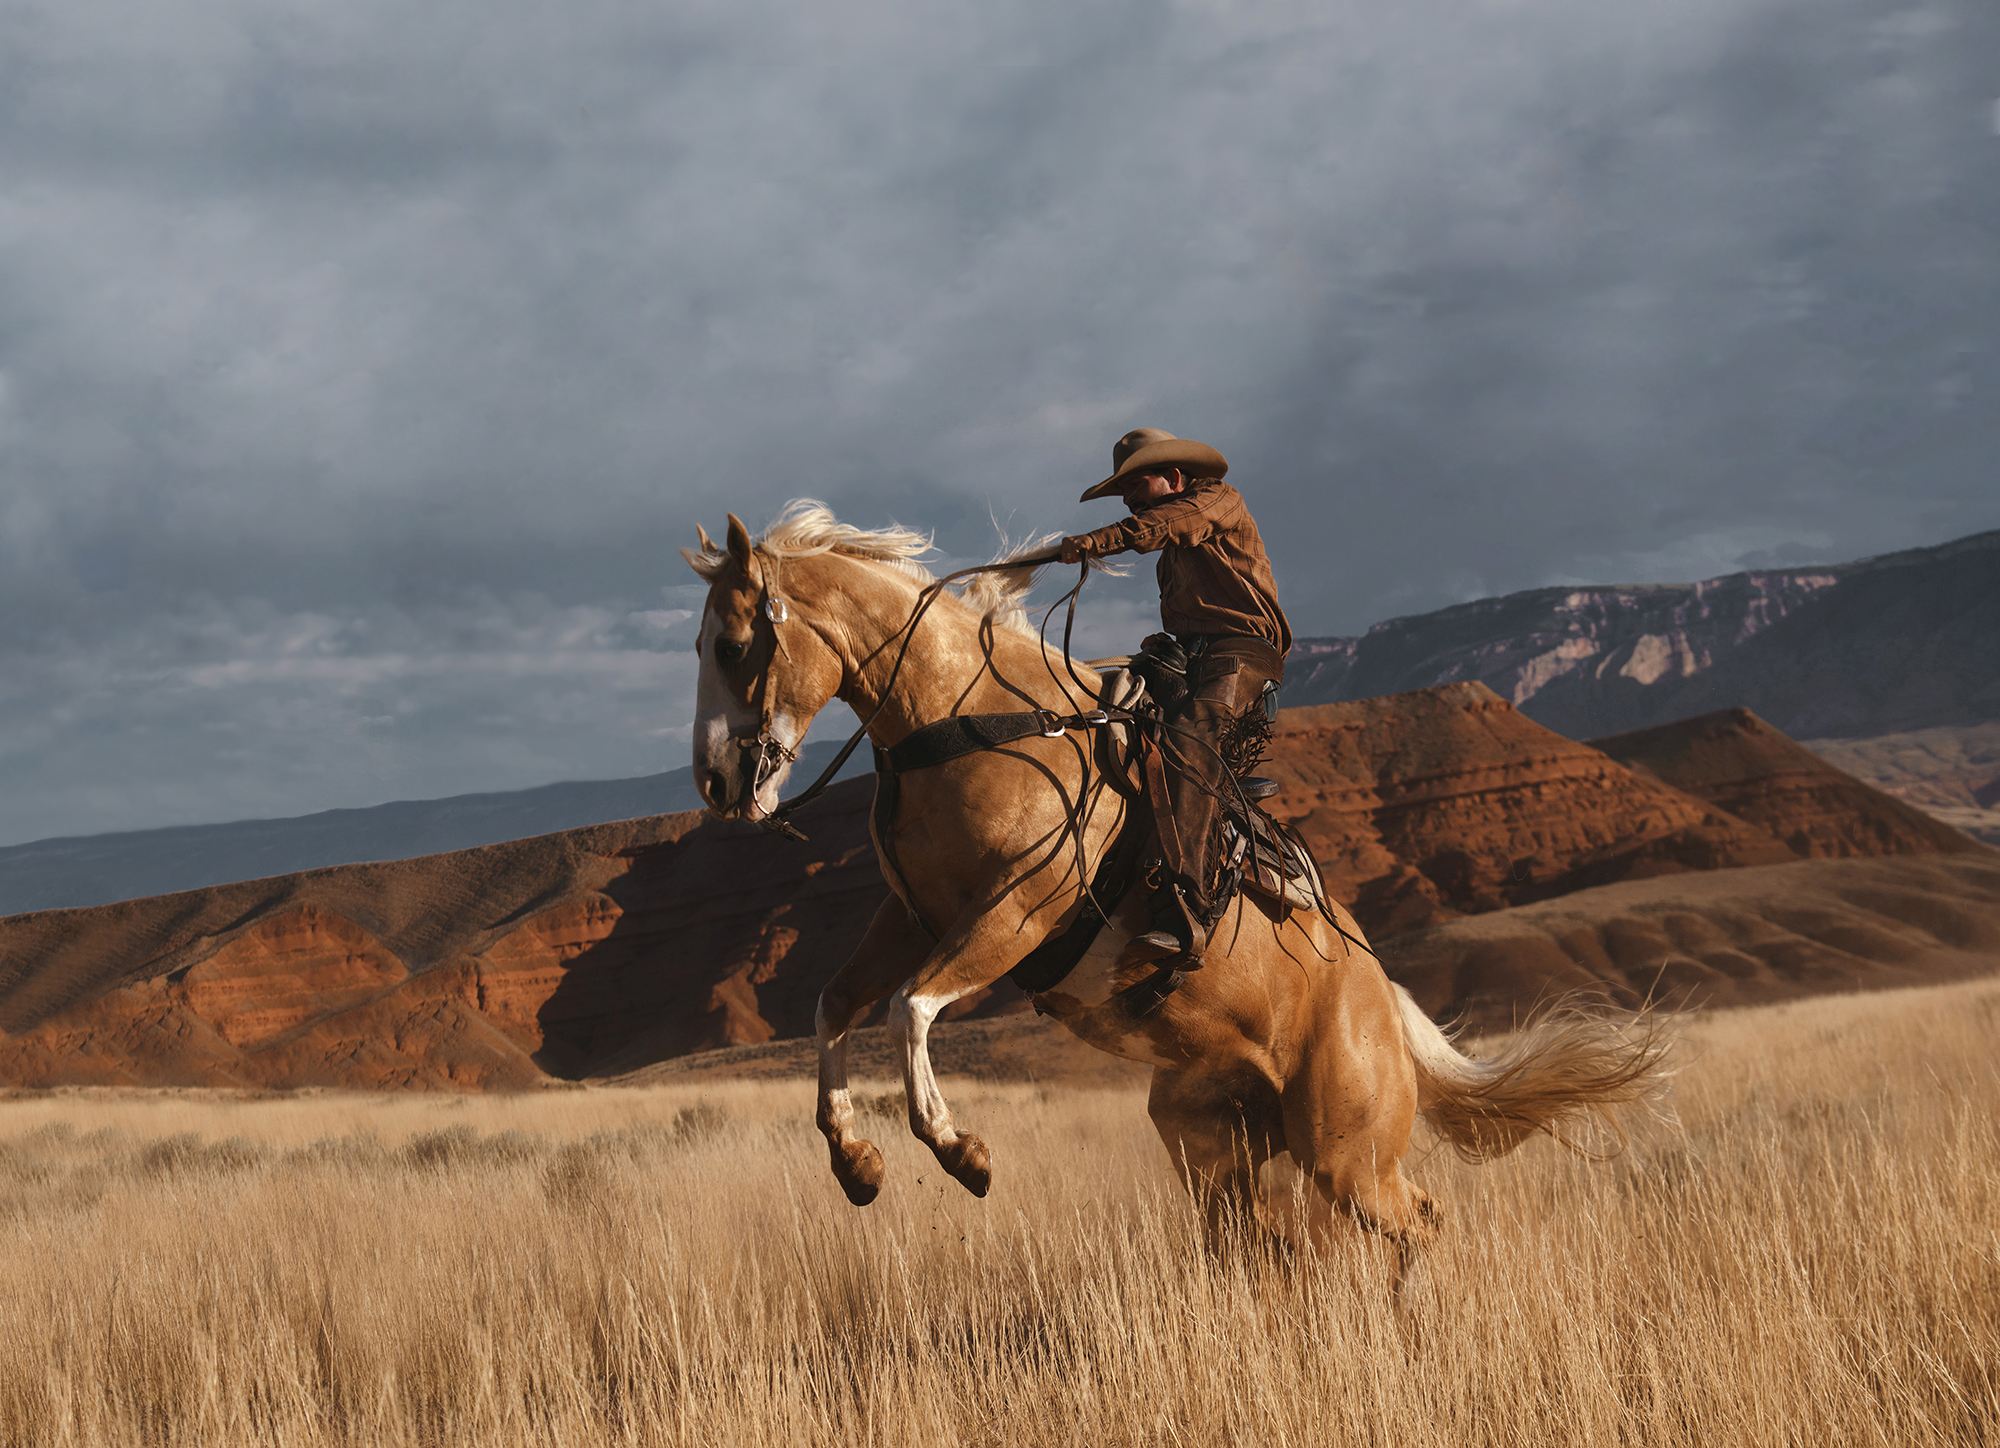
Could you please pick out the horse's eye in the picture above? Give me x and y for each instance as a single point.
(730, 652)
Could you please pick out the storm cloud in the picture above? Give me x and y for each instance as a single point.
(361, 367)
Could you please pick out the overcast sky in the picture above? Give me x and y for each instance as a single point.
(363, 365)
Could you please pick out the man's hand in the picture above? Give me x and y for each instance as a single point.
(1074, 550)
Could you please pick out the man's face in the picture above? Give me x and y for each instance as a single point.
(1142, 490)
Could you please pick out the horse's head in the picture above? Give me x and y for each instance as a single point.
(764, 675)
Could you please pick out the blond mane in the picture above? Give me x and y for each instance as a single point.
(806, 528)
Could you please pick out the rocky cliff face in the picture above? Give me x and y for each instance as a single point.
(1905, 641)
(600, 950)
(1952, 772)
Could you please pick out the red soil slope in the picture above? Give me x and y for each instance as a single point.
(568, 953)
(1722, 938)
(598, 951)
(1447, 801)
(1737, 762)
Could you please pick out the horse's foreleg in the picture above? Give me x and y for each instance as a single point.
(969, 958)
(889, 954)
(959, 1152)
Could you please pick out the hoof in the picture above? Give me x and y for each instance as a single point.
(858, 1165)
(968, 1160)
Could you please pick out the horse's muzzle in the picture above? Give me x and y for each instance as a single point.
(733, 787)
(716, 789)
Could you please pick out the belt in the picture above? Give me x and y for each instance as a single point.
(1199, 644)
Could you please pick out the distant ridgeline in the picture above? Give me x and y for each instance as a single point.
(1853, 650)
(98, 869)
(1905, 642)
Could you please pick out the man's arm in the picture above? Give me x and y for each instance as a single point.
(1186, 521)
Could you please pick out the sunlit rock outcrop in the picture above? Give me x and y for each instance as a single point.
(1900, 642)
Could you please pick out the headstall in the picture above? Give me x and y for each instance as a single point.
(772, 752)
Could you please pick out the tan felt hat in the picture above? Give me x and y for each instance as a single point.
(1147, 449)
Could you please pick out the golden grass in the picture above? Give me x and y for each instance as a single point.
(1811, 1256)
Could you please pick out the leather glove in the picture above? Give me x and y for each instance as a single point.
(1074, 550)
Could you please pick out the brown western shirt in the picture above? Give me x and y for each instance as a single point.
(1214, 577)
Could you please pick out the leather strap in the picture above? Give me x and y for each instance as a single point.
(1144, 997)
(1163, 809)
(944, 740)
(889, 799)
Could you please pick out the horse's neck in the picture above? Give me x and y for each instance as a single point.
(953, 665)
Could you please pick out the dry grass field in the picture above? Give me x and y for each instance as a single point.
(1809, 1255)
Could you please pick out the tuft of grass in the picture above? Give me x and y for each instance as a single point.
(1809, 1252)
(461, 1146)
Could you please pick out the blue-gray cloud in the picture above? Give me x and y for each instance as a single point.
(412, 319)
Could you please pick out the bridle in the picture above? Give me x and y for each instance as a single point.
(772, 753)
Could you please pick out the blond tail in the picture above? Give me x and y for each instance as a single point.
(1565, 1069)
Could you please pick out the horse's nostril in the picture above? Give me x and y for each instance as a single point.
(716, 788)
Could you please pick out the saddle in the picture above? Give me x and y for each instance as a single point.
(1258, 853)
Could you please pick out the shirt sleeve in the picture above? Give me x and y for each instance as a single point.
(1186, 521)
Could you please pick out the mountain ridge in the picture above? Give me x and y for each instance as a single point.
(1901, 642)
(1895, 642)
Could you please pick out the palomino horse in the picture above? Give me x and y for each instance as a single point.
(1289, 1039)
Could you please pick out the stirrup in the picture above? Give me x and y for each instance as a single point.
(1161, 945)
(1185, 945)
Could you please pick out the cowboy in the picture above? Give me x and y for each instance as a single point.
(1219, 601)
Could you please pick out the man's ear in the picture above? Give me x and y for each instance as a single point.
(739, 542)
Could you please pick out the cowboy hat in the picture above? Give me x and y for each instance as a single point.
(1147, 450)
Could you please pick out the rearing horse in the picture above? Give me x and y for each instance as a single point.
(1289, 1039)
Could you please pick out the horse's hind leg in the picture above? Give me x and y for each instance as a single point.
(888, 955)
(1348, 1117)
(1220, 1129)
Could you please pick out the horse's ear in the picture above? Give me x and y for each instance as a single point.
(708, 560)
(739, 542)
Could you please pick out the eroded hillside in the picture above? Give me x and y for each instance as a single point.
(597, 951)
